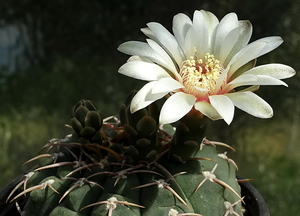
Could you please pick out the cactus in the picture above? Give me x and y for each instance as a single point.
(130, 166)
(152, 160)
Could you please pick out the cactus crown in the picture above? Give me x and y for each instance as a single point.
(130, 165)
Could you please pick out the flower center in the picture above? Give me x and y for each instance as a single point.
(200, 75)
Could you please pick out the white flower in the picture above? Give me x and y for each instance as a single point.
(200, 67)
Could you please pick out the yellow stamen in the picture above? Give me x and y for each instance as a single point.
(199, 74)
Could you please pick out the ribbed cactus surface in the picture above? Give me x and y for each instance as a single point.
(130, 165)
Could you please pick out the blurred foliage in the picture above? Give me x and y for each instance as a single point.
(81, 61)
(59, 86)
(21, 136)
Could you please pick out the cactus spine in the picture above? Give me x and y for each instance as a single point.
(130, 165)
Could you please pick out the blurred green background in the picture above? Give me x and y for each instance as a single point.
(69, 53)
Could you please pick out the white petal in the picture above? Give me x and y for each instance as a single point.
(136, 48)
(224, 107)
(166, 85)
(247, 79)
(212, 23)
(245, 55)
(200, 34)
(189, 44)
(267, 80)
(251, 64)
(245, 32)
(168, 41)
(226, 25)
(252, 51)
(208, 110)
(146, 50)
(201, 90)
(148, 32)
(176, 106)
(251, 103)
(181, 24)
(211, 20)
(272, 43)
(278, 71)
(220, 81)
(143, 70)
(168, 63)
(250, 88)
(144, 97)
(139, 58)
(229, 43)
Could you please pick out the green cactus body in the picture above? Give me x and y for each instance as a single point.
(132, 167)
